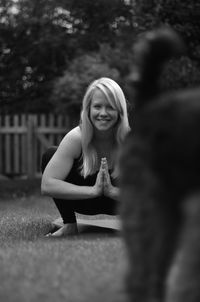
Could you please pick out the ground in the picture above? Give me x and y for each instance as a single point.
(87, 267)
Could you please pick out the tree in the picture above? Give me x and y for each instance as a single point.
(41, 37)
(69, 89)
(101, 21)
(34, 38)
(182, 16)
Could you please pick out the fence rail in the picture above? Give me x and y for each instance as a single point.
(24, 138)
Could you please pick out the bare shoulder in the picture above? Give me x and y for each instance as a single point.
(75, 133)
(71, 143)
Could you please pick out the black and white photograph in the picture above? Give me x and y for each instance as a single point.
(99, 151)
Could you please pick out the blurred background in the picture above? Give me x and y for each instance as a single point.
(50, 50)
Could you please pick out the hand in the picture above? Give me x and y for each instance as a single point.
(108, 188)
(98, 187)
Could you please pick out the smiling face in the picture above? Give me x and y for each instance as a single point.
(102, 114)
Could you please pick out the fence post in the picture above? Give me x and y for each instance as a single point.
(30, 147)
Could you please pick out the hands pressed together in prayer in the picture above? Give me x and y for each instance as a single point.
(103, 185)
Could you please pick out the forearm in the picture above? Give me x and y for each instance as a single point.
(60, 189)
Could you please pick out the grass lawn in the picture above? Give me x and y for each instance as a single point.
(87, 267)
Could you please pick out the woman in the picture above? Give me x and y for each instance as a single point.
(81, 174)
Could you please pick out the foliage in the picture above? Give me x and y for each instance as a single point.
(40, 37)
(181, 73)
(43, 41)
(69, 89)
(183, 16)
(32, 53)
(100, 22)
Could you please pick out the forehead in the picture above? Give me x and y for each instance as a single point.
(100, 96)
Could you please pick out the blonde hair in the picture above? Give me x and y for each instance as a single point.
(116, 98)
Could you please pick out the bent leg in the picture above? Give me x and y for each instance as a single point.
(67, 208)
(95, 206)
(64, 207)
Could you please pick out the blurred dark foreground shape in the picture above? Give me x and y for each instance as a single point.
(160, 181)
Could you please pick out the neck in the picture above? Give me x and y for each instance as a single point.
(104, 144)
(104, 136)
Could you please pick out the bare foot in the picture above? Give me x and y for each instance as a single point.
(67, 229)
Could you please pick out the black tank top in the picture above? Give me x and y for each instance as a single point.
(76, 178)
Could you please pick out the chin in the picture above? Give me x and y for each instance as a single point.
(104, 128)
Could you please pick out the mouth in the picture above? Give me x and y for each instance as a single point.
(103, 120)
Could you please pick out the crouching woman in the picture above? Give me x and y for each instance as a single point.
(81, 174)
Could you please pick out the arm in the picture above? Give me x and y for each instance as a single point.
(58, 168)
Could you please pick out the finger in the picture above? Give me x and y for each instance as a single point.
(106, 169)
(101, 172)
(100, 177)
(107, 178)
(106, 175)
(103, 162)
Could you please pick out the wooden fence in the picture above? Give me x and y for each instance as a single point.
(24, 138)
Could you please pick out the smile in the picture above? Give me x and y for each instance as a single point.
(103, 120)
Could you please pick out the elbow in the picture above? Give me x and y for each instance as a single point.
(45, 188)
(43, 191)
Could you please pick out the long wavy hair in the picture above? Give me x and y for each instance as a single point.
(116, 99)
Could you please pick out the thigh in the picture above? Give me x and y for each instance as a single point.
(94, 206)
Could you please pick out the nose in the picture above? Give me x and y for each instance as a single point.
(103, 111)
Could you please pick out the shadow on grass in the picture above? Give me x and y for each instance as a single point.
(90, 231)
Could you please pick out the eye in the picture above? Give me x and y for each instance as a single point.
(109, 107)
(96, 106)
